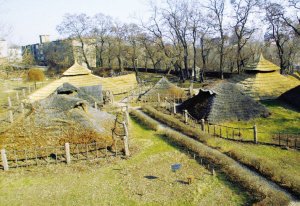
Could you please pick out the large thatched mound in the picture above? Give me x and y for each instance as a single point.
(262, 81)
(64, 116)
(292, 97)
(223, 102)
(164, 88)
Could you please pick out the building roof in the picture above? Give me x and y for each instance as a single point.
(262, 65)
(77, 69)
(223, 102)
(265, 85)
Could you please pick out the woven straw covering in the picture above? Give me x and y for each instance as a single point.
(262, 65)
(163, 87)
(265, 86)
(77, 69)
(115, 83)
(224, 102)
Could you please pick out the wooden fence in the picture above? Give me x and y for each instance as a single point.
(55, 155)
(281, 139)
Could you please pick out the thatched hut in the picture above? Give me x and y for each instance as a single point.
(223, 102)
(262, 81)
(80, 76)
(164, 88)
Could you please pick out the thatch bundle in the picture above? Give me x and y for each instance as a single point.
(223, 102)
(164, 88)
(262, 81)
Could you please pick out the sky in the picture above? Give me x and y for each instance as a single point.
(31, 18)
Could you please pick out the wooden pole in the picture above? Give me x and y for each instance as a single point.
(17, 96)
(22, 108)
(4, 160)
(185, 116)
(126, 140)
(67, 149)
(11, 118)
(9, 101)
(202, 125)
(24, 95)
(255, 134)
(95, 105)
(174, 107)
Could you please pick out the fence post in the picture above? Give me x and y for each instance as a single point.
(255, 134)
(202, 125)
(67, 149)
(185, 116)
(22, 108)
(166, 102)
(29, 90)
(4, 160)
(11, 118)
(9, 101)
(23, 90)
(158, 98)
(126, 140)
(174, 107)
(17, 96)
(127, 117)
(95, 105)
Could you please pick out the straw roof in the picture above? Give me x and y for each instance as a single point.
(77, 69)
(262, 65)
(224, 102)
(262, 81)
(292, 97)
(163, 87)
(83, 80)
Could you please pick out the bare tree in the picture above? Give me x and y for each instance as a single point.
(217, 7)
(101, 31)
(278, 31)
(177, 15)
(293, 20)
(243, 32)
(78, 27)
(119, 33)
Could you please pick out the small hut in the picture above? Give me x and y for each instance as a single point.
(262, 81)
(223, 102)
(165, 89)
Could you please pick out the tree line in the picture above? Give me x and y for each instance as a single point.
(213, 35)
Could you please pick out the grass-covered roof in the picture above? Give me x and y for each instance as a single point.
(223, 102)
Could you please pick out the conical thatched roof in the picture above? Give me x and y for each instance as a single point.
(262, 65)
(262, 83)
(163, 87)
(77, 69)
(223, 102)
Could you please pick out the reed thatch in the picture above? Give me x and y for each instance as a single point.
(80, 76)
(262, 81)
(163, 87)
(223, 102)
(292, 97)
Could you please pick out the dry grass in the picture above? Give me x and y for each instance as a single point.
(253, 159)
(144, 179)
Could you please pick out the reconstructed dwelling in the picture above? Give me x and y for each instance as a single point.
(223, 102)
(262, 81)
(80, 76)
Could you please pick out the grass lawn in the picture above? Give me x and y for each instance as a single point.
(144, 179)
(283, 119)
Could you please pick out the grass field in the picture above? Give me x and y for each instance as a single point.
(144, 179)
(284, 118)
